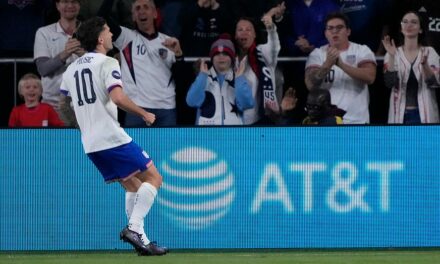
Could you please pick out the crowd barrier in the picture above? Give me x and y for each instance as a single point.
(230, 187)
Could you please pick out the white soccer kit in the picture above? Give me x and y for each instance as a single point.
(146, 69)
(347, 93)
(89, 80)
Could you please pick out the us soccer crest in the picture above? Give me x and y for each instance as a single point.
(163, 53)
(351, 59)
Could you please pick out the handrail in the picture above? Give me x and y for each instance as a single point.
(187, 59)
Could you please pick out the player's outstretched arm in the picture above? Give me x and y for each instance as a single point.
(67, 111)
(123, 102)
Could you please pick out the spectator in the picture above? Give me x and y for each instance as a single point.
(306, 21)
(32, 113)
(55, 48)
(204, 21)
(147, 57)
(320, 111)
(220, 94)
(428, 10)
(343, 67)
(261, 60)
(411, 71)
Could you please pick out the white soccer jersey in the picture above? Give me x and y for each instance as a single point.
(347, 93)
(146, 69)
(89, 80)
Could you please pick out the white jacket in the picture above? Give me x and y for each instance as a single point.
(426, 97)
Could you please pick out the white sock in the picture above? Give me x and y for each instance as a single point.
(129, 203)
(142, 204)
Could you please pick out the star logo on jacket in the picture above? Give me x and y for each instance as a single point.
(163, 53)
(234, 109)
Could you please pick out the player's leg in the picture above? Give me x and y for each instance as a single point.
(151, 182)
(128, 234)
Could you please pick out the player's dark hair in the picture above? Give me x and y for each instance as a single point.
(89, 31)
(338, 15)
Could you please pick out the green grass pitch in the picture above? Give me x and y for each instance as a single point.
(430, 256)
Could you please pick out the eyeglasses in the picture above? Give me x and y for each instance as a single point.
(313, 107)
(412, 22)
(334, 28)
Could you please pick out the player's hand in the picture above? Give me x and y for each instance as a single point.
(389, 45)
(149, 118)
(174, 45)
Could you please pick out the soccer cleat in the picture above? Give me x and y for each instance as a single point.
(152, 249)
(134, 239)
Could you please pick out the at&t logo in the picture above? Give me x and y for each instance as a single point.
(198, 188)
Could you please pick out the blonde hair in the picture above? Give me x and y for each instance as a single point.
(26, 77)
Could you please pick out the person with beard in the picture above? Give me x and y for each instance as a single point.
(147, 58)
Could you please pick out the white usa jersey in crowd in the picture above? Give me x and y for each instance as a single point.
(347, 93)
(146, 69)
(88, 80)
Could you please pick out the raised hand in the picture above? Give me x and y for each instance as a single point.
(267, 21)
(203, 66)
(174, 45)
(303, 44)
(425, 54)
(389, 45)
(332, 57)
(289, 100)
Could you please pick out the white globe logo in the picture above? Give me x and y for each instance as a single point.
(198, 188)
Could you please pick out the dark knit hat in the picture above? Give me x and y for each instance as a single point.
(223, 44)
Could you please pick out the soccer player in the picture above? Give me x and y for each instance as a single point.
(92, 84)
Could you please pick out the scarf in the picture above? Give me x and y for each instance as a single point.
(265, 80)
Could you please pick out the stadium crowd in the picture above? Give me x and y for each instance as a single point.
(377, 58)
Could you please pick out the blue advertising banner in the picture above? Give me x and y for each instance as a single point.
(244, 187)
